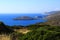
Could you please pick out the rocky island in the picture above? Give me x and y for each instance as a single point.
(26, 18)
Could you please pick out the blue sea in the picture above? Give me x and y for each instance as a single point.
(7, 19)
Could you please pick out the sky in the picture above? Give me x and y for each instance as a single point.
(29, 6)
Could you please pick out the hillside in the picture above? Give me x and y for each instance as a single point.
(31, 32)
(53, 18)
(4, 28)
(42, 33)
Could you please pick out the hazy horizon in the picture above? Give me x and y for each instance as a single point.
(28, 6)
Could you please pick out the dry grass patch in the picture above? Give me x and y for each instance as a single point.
(23, 30)
(5, 37)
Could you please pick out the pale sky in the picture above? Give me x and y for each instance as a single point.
(28, 6)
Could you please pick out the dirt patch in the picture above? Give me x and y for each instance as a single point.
(23, 31)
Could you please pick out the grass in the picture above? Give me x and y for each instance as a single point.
(5, 37)
(23, 30)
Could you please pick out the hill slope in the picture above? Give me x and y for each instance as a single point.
(54, 19)
(4, 28)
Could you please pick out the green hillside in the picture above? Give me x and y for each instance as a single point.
(5, 29)
(43, 33)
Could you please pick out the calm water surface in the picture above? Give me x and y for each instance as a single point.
(8, 19)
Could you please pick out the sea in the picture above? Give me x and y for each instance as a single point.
(7, 19)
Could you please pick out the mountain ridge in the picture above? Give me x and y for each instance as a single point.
(53, 19)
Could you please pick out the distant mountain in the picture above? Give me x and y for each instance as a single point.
(52, 12)
(53, 18)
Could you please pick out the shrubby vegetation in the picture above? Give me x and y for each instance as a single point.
(38, 32)
(42, 33)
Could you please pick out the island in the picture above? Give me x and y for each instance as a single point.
(26, 18)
